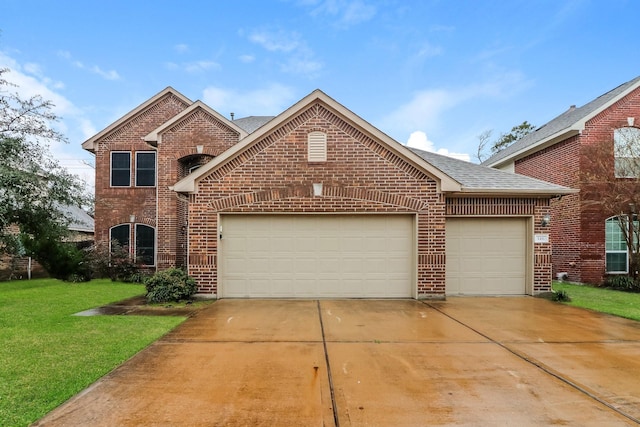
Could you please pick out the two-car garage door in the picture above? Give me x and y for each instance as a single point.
(316, 256)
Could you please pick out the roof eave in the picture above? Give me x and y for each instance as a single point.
(90, 144)
(531, 192)
(540, 145)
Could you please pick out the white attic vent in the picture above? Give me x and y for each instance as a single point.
(317, 147)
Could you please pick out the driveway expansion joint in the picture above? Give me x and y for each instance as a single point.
(540, 365)
(334, 406)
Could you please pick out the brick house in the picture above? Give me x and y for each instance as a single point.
(587, 244)
(314, 202)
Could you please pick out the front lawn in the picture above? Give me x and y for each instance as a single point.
(47, 355)
(623, 304)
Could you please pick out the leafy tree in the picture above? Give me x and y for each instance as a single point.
(505, 139)
(32, 184)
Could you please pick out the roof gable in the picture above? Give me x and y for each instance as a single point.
(190, 183)
(567, 124)
(155, 136)
(89, 144)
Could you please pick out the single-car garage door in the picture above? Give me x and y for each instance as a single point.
(315, 256)
(486, 256)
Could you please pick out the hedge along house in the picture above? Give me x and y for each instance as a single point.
(319, 203)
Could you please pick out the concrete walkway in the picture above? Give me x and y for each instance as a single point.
(465, 361)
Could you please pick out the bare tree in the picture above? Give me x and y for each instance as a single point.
(610, 182)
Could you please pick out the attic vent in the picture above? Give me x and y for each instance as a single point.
(317, 147)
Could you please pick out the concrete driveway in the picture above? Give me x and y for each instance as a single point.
(465, 361)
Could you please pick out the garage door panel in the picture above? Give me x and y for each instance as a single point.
(317, 255)
(486, 256)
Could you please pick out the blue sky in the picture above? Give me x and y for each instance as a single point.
(444, 71)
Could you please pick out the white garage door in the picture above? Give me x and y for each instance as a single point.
(315, 256)
(486, 256)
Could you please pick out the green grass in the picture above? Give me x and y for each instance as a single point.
(623, 304)
(47, 355)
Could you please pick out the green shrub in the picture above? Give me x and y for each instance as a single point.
(561, 296)
(113, 261)
(170, 285)
(622, 283)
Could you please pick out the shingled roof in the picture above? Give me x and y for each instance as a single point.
(476, 178)
(567, 124)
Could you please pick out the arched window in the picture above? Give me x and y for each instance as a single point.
(617, 229)
(626, 149)
(145, 244)
(145, 241)
(120, 234)
(317, 147)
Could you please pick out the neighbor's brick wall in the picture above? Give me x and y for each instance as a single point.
(533, 208)
(578, 231)
(360, 175)
(176, 152)
(560, 164)
(115, 205)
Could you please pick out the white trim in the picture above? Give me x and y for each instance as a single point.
(155, 169)
(111, 169)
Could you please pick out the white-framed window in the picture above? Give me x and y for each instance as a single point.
(146, 169)
(144, 239)
(145, 244)
(317, 147)
(616, 249)
(120, 234)
(626, 149)
(120, 169)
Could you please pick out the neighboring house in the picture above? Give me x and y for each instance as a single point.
(81, 232)
(587, 243)
(314, 202)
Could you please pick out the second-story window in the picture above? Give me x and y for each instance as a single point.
(120, 169)
(626, 148)
(146, 169)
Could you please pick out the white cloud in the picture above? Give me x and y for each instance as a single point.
(271, 100)
(277, 41)
(419, 140)
(247, 59)
(181, 48)
(298, 57)
(105, 74)
(426, 108)
(343, 13)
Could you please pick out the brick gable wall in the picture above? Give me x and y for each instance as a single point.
(115, 205)
(177, 150)
(274, 176)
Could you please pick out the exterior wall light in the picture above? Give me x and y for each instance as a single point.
(546, 220)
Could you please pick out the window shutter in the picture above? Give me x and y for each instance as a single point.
(317, 147)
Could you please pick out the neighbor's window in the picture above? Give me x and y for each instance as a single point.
(146, 169)
(145, 244)
(120, 169)
(119, 234)
(317, 147)
(626, 148)
(617, 253)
